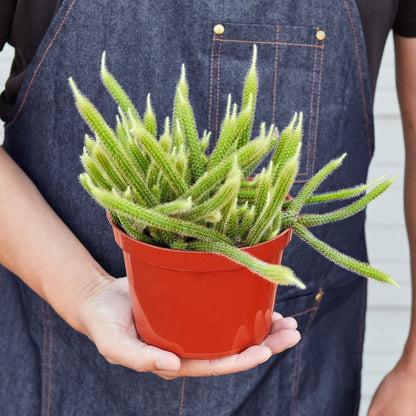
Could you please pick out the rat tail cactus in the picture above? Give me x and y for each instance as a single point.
(170, 192)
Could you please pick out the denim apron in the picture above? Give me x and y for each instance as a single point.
(311, 58)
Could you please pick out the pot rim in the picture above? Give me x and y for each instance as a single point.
(195, 260)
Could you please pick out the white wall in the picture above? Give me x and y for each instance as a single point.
(6, 57)
(388, 311)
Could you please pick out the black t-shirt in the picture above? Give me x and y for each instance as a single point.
(23, 23)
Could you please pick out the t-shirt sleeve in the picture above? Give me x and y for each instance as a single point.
(7, 10)
(405, 22)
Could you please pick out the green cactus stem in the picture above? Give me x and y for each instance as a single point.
(188, 125)
(313, 183)
(249, 99)
(116, 203)
(167, 191)
(156, 152)
(278, 195)
(341, 194)
(274, 273)
(363, 269)
(149, 118)
(311, 220)
(117, 91)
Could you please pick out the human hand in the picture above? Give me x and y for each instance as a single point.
(396, 393)
(107, 319)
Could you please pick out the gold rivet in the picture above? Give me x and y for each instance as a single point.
(318, 297)
(320, 35)
(219, 29)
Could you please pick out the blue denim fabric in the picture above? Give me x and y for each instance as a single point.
(47, 368)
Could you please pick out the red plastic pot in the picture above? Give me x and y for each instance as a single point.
(196, 304)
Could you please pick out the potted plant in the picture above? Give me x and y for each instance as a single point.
(202, 239)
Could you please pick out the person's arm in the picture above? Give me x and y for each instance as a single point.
(396, 394)
(39, 248)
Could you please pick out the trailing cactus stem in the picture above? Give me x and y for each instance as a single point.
(97, 175)
(313, 183)
(191, 134)
(251, 81)
(175, 207)
(165, 139)
(102, 160)
(251, 151)
(155, 150)
(270, 211)
(90, 143)
(244, 122)
(97, 123)
(132, 232)
(149, 118)
(311, 220)
(346, 193)
(247, 222)
(272, 272)
(228, 131)
(203, 144)
(153, 218)
(249, 99)
(117, 91)
(226, 193)
(287, 145)
(233, 222)
(263, 189)
(363, 269)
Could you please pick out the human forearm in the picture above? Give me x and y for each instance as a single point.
(410, 213)
(406, 88)
(38, 247)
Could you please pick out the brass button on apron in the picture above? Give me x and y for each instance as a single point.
(320, 35)
(219, 29)
(319, 295)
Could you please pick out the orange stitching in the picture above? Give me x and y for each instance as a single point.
(218, 92)
(361, 78)
(302, 313)
(43, 357)
(182, 396)
(298, 350)
(268, 43)
(310, 117)
(317, 111)
(211, 79)
(37, 68)
(298, 360)
(357, 398)
(275, 74)
(50, 362)
(311, 108)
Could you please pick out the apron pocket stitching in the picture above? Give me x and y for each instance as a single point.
(317, 107)
(275, 74)
(182, 396)
(218, 90)
(298, 357)
(211, 82)
(309, 171)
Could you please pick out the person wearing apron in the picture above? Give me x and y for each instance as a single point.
(311, 58)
